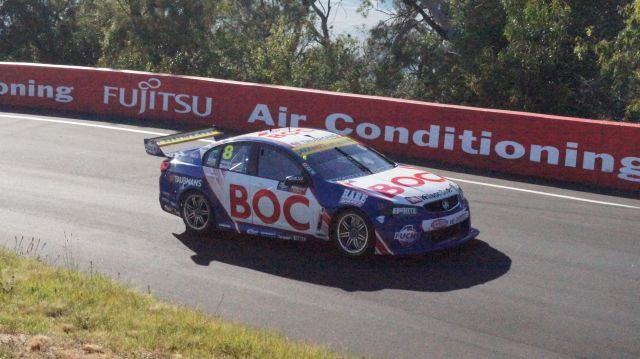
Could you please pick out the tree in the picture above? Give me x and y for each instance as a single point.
(537, 36)
(620, 61)
(568, 57)
(532, 55)
(54, 31)
(159, 35)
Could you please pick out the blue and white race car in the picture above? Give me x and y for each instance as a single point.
(300, 183)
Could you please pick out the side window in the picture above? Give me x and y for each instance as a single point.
(211, 158)
(235, 157)
(276, 165)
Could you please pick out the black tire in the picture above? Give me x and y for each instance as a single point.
(353, 233)
(197, 213)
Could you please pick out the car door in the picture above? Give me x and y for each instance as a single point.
(228, 169)
(277, 205)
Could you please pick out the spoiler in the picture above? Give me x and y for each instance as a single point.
(153, 146)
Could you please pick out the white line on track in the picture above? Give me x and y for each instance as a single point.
(543, 193)
(85, 124)
(124, 129)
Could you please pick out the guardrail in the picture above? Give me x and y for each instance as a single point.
(601, 153)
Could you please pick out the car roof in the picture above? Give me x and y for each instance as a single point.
(301, 140)
(289, 136)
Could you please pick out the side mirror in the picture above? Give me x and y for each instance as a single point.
(296, 181)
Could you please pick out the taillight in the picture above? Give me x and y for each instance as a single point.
(165, 165)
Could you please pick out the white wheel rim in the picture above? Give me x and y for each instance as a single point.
(353, 233)
(196, 212)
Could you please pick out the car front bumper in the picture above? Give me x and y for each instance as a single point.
(416, 235)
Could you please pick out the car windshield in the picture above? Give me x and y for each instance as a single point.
(350, 161)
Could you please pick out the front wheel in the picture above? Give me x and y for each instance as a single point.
(353, 233)
(196, 213)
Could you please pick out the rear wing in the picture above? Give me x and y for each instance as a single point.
(154, 146)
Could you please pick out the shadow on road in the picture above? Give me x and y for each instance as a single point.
(320, 263)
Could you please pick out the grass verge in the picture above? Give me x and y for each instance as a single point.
(78, 310)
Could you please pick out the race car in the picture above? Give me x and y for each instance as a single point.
(303, 183)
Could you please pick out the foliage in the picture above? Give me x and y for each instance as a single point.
(567, 57)
(620, 60)
(55, 31)
(75, 309)
(549, 56)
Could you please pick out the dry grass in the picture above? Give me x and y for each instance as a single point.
(90, 316)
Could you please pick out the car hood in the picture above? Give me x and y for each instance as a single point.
(424, 188)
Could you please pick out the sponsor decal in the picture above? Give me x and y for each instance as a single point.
(253, 232)
(225, 225)
(299, 238)
(149, 97)
(439, 194)
(61, 94)
(380, 219)
(414, 199)
(417, 179)
(464, 215)
(407, 235)
(187, 181)
(322, 144)
(292, 189)
(351, 197)
(404, 211)
(297, 178)
(241, 206)
(285, 132)
(439, 223)
(283, 237)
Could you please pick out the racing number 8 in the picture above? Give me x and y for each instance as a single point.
(228, 152)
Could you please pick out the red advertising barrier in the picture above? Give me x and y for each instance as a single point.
(585, 151)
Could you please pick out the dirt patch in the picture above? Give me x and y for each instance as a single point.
(44, 347)
(38, 343)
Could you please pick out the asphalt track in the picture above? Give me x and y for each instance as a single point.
(548, 276)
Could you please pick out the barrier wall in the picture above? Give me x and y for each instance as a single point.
(592, 152)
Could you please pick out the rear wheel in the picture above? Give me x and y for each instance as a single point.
(353, 233)
(197, 213)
